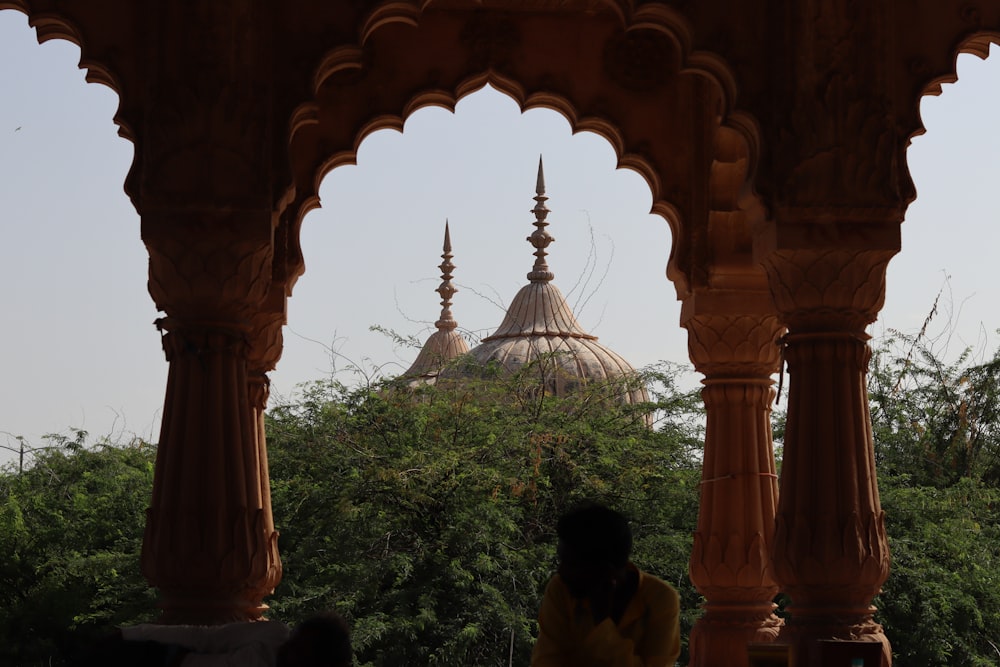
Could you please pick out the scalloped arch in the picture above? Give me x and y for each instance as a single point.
(49, 26)
(658, 18)
(978, 44)
(407, 13)
(448, 100)
(343, 63)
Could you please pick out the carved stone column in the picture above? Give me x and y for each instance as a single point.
(206, 186)
(733, 341)
(264, 352)
(210, 546)
(831, 555)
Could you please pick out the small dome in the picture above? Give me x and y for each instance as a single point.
(446, 343)
(440, 348)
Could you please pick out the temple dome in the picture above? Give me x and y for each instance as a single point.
(540, 327)
(446, 343)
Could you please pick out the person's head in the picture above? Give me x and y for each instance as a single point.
(594, 545)
(323, 640)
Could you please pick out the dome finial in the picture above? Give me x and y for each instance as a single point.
(540, 238)
(446, 289)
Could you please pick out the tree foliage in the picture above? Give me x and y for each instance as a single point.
(937, 447)
(70, 532)
(934, 421)
(941, 604)
(427, 514)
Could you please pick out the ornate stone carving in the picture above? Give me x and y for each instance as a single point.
(220, 156)
(589, 6)
(730, 561)
(266, 339)
(838, 144)
(490, 41)
(830, 551)
(740, 346)
(206, 132)
(828, 289)
(206, 88)
(209, 546)
(640, 60)
(836, 537)
(207, 266)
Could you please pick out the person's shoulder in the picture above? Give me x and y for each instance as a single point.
(653, 588)
(556, 587)
(272, 633)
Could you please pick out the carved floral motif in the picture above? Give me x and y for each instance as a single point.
(828, 289)
(734, 345)
(211, 268)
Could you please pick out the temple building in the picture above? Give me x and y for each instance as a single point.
(539, 328)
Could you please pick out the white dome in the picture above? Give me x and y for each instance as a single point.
(540, 327)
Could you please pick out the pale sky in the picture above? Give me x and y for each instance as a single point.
(79, 348)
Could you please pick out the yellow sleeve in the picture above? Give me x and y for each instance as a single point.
(564, 643)
(661, 643)
(554, 627)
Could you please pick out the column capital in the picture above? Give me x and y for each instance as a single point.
(732, 333)
(209, 266)
(828, 289)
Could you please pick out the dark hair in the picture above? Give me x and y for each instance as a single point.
(328, 638)
(596, 534)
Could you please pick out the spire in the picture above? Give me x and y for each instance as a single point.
(540, 238)
(446, 289)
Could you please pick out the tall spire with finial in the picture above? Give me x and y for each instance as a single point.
(446, 289)
(444, 344)
(540, 238)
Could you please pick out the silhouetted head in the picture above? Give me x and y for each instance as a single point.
(594, 546)
(323, 640)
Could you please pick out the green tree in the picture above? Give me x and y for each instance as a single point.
(70, 530)
(937, 422)
(941, 604)
(427, 515)
(935, 427)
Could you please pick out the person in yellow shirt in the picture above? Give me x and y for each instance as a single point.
(600, 610)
